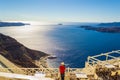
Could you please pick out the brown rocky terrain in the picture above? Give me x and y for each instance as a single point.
(18, 53)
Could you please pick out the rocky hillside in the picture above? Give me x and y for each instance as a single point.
(18, 53)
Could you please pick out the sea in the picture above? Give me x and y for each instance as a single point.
(68, 42)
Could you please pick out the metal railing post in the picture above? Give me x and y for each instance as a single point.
(106, 57)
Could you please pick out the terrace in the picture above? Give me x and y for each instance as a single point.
(105, 66)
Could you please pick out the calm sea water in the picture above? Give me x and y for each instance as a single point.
(69, 43)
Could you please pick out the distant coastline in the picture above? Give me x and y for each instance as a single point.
(9, 24)
(104, 27)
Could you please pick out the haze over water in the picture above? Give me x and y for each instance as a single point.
(68, 42)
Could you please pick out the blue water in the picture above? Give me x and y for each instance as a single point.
(78, 44)
(69, 43)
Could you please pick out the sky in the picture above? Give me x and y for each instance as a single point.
(60, 10)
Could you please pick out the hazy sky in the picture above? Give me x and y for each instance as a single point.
(60, 10)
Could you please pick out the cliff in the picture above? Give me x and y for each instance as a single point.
(18, 53)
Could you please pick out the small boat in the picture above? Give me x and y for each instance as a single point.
(52, 57)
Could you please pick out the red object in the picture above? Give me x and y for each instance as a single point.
(62, 69)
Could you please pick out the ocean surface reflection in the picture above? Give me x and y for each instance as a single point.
(69, 43)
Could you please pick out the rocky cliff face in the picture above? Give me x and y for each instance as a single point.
(18, 53)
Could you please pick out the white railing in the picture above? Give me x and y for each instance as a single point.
(109, 56)
(52, 73)
(32, 71)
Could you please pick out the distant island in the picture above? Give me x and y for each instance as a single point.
(60, 24)
(8, 24)
(104, 27)
(113, 24)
